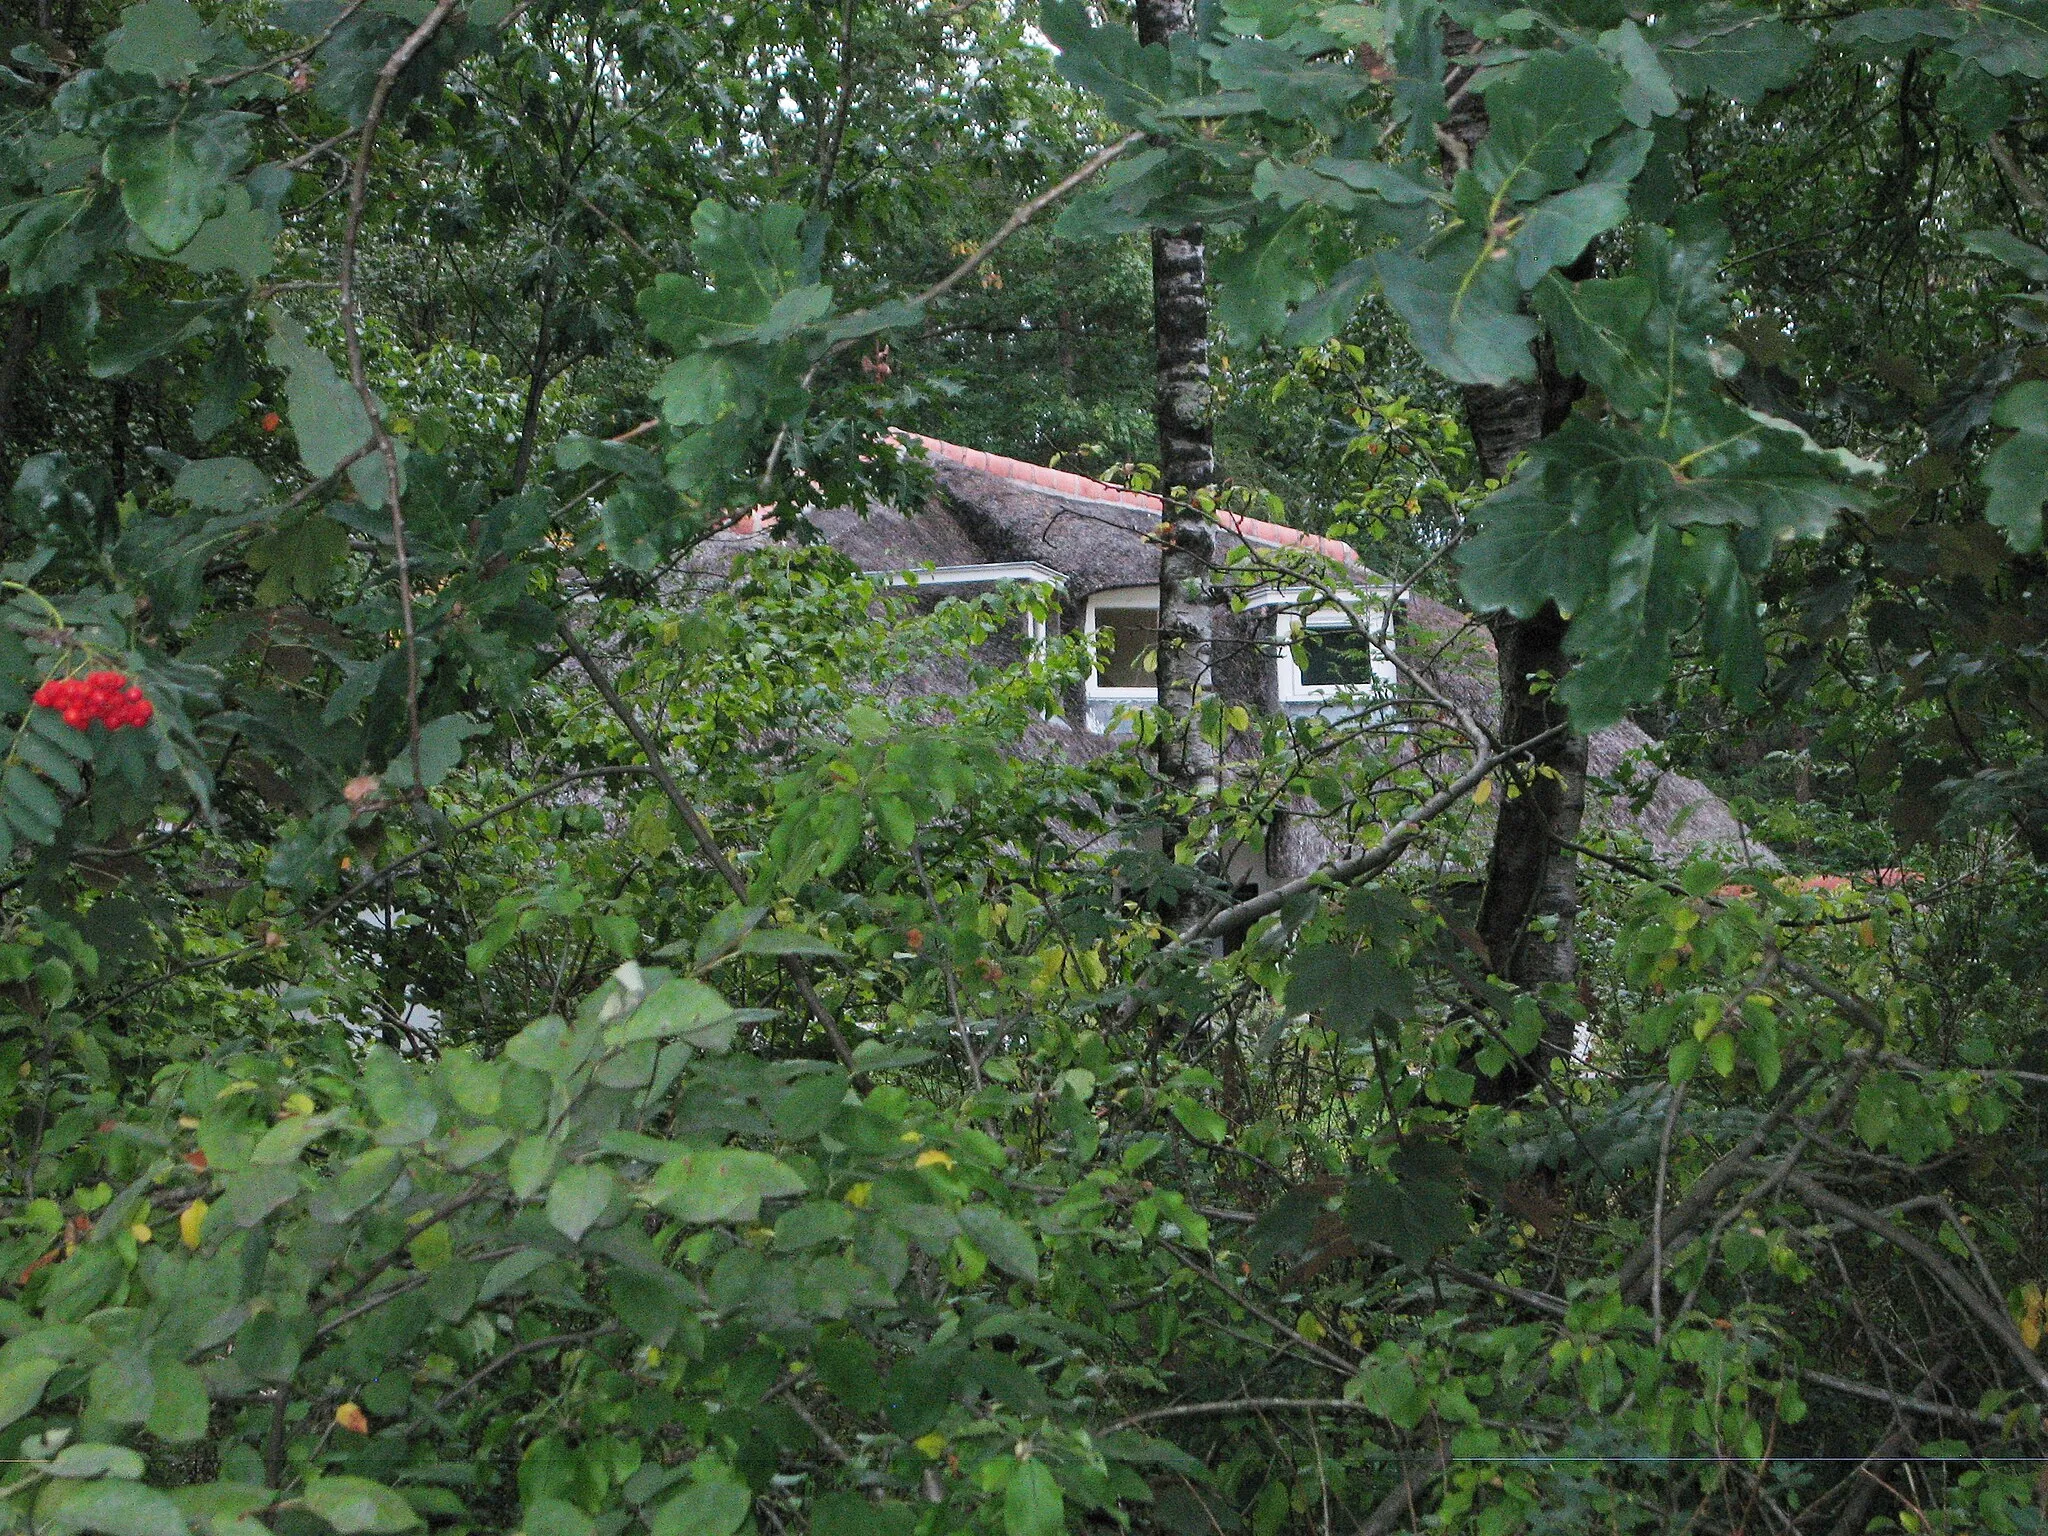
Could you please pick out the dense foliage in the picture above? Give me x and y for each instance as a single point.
(512, 1020)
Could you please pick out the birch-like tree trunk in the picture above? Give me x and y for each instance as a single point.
(1187, 463)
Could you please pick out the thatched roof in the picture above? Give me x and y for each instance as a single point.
(986, 509)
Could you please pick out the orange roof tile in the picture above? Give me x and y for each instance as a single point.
(1062, 482)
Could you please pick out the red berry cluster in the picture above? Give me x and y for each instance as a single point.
(107, 697)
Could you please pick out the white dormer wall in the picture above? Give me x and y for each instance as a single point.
(1353, 672)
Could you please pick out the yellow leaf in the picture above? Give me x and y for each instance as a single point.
(857, 1197)
(190, 1220)
(911, 1137)
(932, 1444)
(1866, 934)
(352, 1418)
(141, 1233)
(932, 1157)
(1482, 792)
(2033, 1315)
(300, 1104)
(1311, 1328)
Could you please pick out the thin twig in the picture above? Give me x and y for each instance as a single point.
(352, 335)
(531, 1346)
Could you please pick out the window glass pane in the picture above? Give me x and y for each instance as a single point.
(1334, 658)
(1134, 631)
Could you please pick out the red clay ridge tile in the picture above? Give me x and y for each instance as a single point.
(1062, 482)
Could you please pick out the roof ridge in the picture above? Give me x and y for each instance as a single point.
(1065, 482)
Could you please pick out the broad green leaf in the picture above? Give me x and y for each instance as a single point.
(1033, 1504)
(146, 329)
(1714, 50)
(2016, 471)
(1557, 229)
(122, 1387)
(1199, 1120)
(241, 239)
(440, 751)
(90, 1460)
(164, 39)
(679, 1006)
(714, 1506)
(174, 179)
(1008, 1246)
(721, 1184)
(578, 1198)
(363, 1181)
(179, 1410)
(22, 1383)
(353, 1504)
(1544, 119)
(115, 1507)
(2001, 245)
(222, 485)
(1463, 312)
(325, 413)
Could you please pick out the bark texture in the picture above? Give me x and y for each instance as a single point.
(1529, 911)
(1187, 462)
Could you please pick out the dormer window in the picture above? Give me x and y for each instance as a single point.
(1335, 652)
(1123, 628)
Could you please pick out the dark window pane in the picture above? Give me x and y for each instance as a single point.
(1334, 658)
(1134, 632)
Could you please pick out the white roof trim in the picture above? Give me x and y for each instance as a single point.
(964, 575)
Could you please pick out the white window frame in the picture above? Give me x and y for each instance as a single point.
(1120, 597)
(1301, 609)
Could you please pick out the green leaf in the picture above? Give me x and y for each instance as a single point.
(715, 1506)
(164, 39)
(241, 239)
(1463, 312)
(326, 415)
(352, 1504)
(1199, 1121)
(1288, 86)
(578, 1197)
(147, 328)
(1707, 55)
(1544, 119)
(849, 1514)
(788, 941)
(174, 179)
(1559, 228)
(1032, 1504)
(179, 1411)
(122, 1387)
(90, 1460)
(116, 1507)
(222, 485)
(2016, 471)
(721, 1184)
(29, 805)
(22, 1383)
(679, 1006)
(556, 1517)
(2000, 245)
(440, 751)
(340, 1198)
(1008, 1246)
(1413, 1214)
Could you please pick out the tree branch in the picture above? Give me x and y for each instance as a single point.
(700, 830)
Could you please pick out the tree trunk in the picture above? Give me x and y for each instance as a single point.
(1187, 464)
(536, 386)
(1531, 904)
